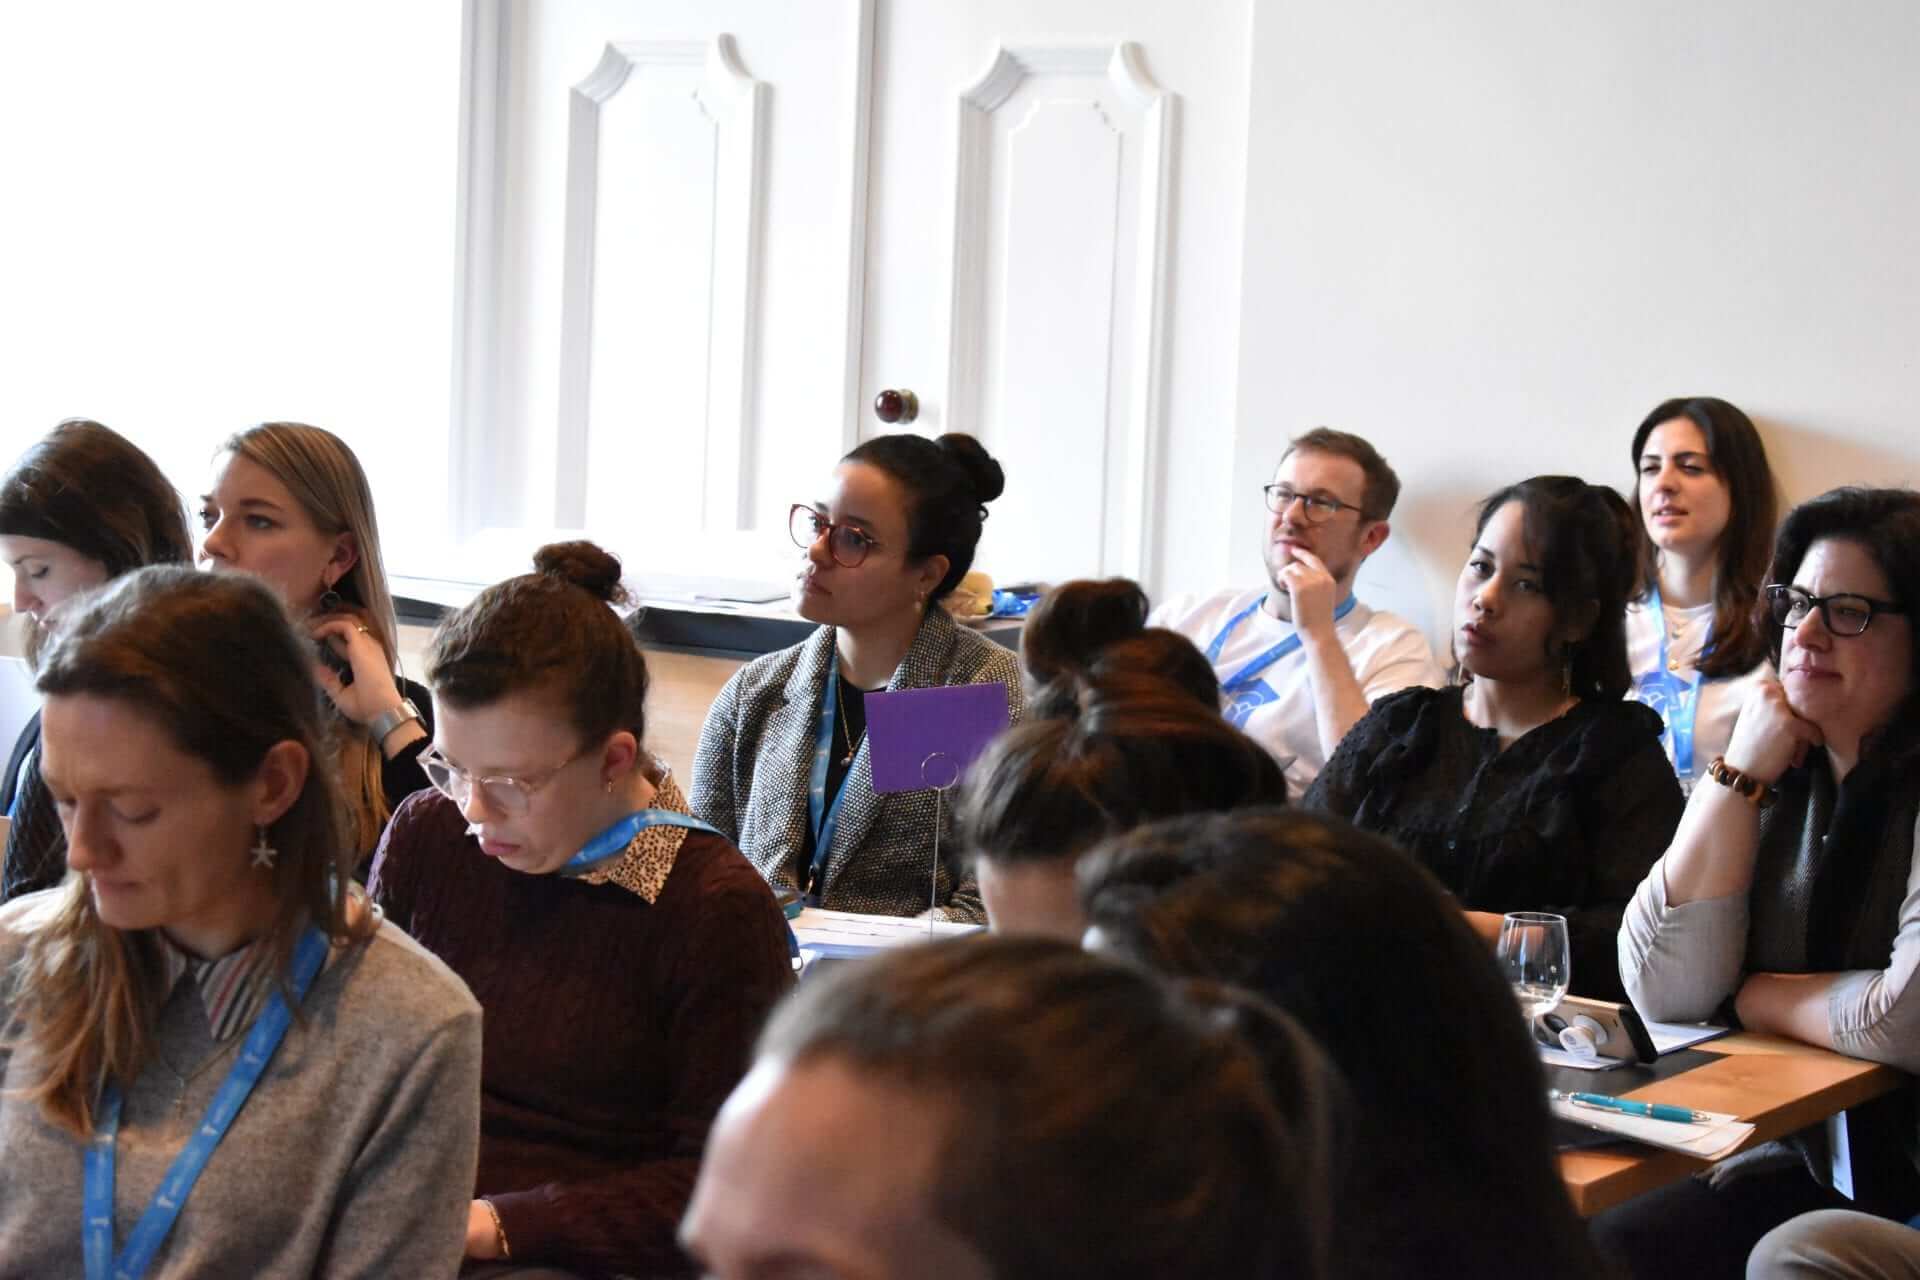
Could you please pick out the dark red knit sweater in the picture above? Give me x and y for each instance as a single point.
(614, 1028)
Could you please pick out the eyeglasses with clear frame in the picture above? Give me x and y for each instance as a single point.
(504, 792)
(1845, 614)
(848, 544)
(1317, 509)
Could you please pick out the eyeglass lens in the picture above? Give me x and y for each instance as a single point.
(456, 785)
(847, 545)
(1313, 509)
(1844, 615)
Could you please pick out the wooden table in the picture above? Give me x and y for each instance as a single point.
(1780, 1086)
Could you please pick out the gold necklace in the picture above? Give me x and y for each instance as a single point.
(840, 702)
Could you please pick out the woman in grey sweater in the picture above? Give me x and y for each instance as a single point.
(217, 1059)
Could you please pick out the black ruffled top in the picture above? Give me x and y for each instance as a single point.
(1569, 819)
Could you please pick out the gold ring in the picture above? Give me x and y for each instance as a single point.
(363, 629)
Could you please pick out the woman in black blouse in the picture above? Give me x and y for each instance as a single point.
(1529, 785)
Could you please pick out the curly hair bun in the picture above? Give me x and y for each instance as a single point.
(585, 565)
(989, 481)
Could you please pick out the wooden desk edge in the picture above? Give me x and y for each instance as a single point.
(1600, 1178)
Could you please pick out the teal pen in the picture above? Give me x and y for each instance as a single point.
(1625, 1106)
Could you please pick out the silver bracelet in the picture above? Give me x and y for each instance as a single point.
(387, 721)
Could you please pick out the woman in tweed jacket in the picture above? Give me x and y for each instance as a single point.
(783, 768)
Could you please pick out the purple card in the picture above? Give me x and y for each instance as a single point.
(921, 738)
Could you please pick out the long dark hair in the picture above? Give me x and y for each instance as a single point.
(1584, 538)
(1739, 640)
(949, 482)
(1886, 522)
(1102, 1124)
(1364, 947)
(88, 487)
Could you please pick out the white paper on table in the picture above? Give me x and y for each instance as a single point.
(1669, 1036)
(1561, 1058)
(815, 927)
(1711, 1139)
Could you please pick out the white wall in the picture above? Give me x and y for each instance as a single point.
(1490, 235)
(227, 211)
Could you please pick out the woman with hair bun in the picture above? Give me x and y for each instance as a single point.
(1127, 730)
(1533, 785)
(623, 951)
(80, 508)
(783, 766)
(1100, 627)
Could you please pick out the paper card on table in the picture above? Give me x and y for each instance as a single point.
(1719, 1135)
(1561, 1058)
(922, 738)
(1669, 1036)
(838, 932)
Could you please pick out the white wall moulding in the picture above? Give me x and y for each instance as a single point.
(661, 274)
(1058, 298)
(478, 446)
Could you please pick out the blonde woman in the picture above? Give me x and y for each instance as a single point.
(215, 1058)
(290, 504)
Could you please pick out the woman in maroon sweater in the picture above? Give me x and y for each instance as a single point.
(624, 954)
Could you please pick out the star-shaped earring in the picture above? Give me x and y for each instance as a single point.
(263, 853)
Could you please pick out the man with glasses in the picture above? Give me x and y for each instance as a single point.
(1301, 659)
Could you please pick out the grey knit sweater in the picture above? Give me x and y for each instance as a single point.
(354, 1156)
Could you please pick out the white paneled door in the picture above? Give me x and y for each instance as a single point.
(703, 235)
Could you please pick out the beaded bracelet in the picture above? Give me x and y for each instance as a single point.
(1750, 788)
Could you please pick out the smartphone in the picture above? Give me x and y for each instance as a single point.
(1621, 1034)
(335, 662)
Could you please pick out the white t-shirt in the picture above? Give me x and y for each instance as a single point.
(1386, 652)
(1720, 698)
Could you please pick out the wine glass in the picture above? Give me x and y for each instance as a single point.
(1532, 955)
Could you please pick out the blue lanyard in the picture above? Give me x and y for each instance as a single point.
(1676, 698)
(19, 783)
(823, 819)
(1249, 675)
(269, 1028)
(612, 842)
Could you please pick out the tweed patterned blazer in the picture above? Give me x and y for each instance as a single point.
(752, 771)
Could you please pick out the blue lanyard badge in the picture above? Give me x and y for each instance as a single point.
(1249, 675)
(613, 841)
(823, 819)
(1674, 697)
(263, 1039)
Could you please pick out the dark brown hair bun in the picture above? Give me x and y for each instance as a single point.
(585, 565)
(989, 481)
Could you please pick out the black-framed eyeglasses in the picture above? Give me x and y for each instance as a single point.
(847, 544)
(1317, 509)
(1845, 614)
(504, 792)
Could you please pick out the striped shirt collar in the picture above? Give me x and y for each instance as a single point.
(231, 988)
